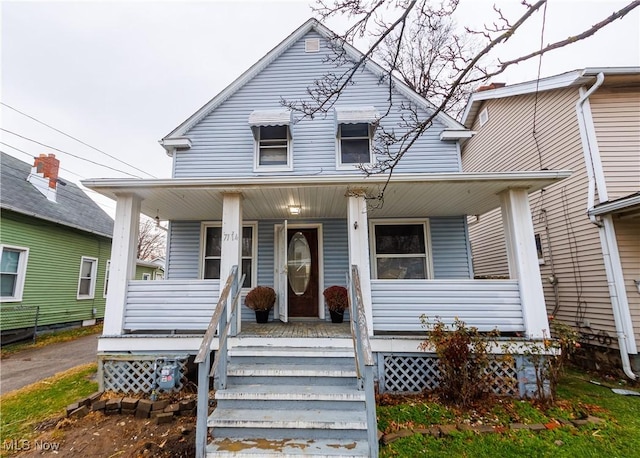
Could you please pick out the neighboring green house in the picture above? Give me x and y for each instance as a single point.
(55, 243)
(150, 270)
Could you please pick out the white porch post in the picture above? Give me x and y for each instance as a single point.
(358, 230)
(523, 260)
(123, 261)
(231, 250)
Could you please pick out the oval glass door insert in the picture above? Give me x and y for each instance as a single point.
(299, 263)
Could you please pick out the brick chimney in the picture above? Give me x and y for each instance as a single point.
(44, 175)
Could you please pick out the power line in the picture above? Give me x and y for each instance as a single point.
(70, 154)
(76, 139)
(32, 156)
(68, 196)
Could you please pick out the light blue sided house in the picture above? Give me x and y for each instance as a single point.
(258, 191)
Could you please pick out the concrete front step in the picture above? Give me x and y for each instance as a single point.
(306, 352)
(261, 392)
(283, 397)
(287, 448)
(298, 422)
(291, 370)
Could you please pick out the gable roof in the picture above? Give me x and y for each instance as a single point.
(573, 78)
(73, 207)
(308, 26)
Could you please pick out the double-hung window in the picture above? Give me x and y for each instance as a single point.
(272, 134)
(106, 278)
(400, 250)
(87, 280)
(355, 128)
(212, 252)
(13, 270)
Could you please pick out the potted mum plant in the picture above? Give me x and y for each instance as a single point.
(337, 301)
(261, 300)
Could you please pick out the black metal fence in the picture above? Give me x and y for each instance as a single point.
(18, 322)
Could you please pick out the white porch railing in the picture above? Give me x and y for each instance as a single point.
(485, 304)
(170, 305)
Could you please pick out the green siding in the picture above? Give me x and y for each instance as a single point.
(145, 270)
(53, 268)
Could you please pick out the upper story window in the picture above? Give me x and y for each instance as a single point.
(212, 252)
(87, 280)
(355, 128)
(13, 270)
(272, 136)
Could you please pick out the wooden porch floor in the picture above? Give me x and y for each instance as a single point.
(307, 329)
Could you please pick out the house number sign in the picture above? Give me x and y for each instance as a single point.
(230, 237)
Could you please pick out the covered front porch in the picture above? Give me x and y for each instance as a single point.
(178, 309)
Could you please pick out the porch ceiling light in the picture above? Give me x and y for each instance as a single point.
(295, 209)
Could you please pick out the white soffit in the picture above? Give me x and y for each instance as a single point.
(356, 115)
(276, 117)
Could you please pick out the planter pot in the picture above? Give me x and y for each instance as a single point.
(336, 317)
(262, 316)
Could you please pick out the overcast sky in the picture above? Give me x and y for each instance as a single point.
(121, 75)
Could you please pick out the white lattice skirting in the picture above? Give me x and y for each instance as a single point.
(415, 373)
(134, 376)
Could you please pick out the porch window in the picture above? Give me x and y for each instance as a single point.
(213, 253)
(400, 251)
(13, 269)
(272, 135)
(87, 280)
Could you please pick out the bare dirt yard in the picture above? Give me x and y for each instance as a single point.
(109, 436)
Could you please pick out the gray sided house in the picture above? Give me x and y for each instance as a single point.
(260, 190)
(587, 228)
(55, 244)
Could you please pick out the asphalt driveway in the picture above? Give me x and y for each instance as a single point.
(30, 366)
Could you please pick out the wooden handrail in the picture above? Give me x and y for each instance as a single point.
(215, 319)
(361, 319)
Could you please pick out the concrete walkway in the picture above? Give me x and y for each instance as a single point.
(30, 366)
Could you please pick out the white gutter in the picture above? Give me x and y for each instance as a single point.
(595, 174)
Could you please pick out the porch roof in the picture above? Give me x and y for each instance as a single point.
(407, 195)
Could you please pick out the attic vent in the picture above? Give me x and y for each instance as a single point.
(484, 117)
(312, 45)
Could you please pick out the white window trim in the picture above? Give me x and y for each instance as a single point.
(106, 278)
(388, 222)
(146, 276)
(94, 274)
(22, 272)
(272, 168)
(254, 248)
(538, 236)
(350, 166)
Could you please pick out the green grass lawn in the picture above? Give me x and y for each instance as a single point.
(22, 410)
(618, 436)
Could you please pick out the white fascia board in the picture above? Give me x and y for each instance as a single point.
(231, 184)
(617, 205)
(545, 84)
(456, 134)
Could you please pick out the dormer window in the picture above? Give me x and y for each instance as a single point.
(355, 143)
(355, 128)
(272, 134)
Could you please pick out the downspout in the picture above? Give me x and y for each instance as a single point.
(605, 235)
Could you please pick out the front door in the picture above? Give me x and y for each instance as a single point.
(302, 272)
